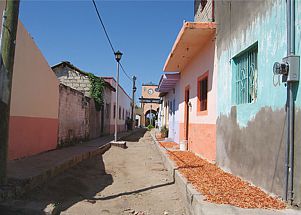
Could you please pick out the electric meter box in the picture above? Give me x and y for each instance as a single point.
(294, 67)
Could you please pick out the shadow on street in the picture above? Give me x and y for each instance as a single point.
(81, 182)
(136, 136)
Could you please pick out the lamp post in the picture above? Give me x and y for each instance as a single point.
(133, 99)
(150, 115)
(118, 56)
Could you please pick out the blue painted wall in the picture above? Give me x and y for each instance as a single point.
(269, 30)
(250, 138)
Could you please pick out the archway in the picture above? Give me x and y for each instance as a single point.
(151, 117)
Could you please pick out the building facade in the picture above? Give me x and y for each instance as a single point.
(74, 121)
(168, 115)
(150, 103)
(193, 56)
(98, 120)
(251, 124)
(124, 110)
(33, 122)
(204, 10)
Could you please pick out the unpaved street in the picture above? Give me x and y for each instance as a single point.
(123, 181)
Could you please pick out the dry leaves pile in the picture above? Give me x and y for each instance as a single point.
(171, 145)
(220, 187)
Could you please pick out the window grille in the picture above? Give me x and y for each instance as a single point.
(245, 74)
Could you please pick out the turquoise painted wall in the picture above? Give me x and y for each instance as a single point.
(268, 29)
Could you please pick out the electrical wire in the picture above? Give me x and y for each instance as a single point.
(108, 38)
(103, 26)
(129, 77)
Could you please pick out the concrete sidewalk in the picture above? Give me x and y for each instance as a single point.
(195, 200)
(27, 173)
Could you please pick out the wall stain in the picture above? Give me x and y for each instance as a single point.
(254, 152)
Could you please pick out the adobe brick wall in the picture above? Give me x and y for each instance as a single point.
(73, 79)
(99, 121)
(74, 109)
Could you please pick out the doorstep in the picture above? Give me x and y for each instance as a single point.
(195, 200)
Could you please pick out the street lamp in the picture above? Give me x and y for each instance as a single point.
(118, 56)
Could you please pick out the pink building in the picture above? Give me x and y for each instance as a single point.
(193, 55)
(33, 123)
(124, 109)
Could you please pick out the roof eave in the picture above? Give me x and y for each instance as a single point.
(178, 49)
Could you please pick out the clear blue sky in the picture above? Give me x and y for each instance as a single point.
(143, 30)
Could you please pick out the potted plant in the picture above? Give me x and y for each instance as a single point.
(164, 132)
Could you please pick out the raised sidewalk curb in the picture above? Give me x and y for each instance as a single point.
(195, 200)
(28, 173)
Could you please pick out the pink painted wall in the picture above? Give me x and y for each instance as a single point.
(200, 64)
(34, 100)
(202, 129)
(31, 135)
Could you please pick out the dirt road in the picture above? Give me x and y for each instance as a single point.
(123, 181)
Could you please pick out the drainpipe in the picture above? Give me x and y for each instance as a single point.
(289, 68)
(290, 4)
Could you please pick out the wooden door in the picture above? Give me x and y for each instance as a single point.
(186, 117)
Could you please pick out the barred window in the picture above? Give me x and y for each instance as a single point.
(245, 76)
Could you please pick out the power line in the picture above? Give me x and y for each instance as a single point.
(108, 38)
(103, 26)
(129, 77)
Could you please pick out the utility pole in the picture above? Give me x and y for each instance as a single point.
(133, 100)
(8, 42)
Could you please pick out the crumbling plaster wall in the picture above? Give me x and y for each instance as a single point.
(251, 137)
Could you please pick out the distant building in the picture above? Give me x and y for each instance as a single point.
(204, 10)
(150, 104)
(168, 115)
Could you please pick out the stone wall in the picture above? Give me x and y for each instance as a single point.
(74, 109)
(99, 121)
(74, 79)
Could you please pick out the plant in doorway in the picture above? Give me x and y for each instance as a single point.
(150, 127)
(164, 132)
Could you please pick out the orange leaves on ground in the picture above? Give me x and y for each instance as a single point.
(171, 145)
(221, 187)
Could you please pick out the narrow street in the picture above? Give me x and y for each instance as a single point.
(123, 181)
